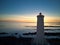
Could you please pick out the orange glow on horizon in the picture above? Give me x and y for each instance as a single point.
(31, 19)
(51, 19)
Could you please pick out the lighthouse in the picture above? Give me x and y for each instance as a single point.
(40, 39)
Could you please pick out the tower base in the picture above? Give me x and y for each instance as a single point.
(34, 42)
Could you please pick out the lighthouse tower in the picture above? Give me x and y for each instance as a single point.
(40, 37)
(40, 30)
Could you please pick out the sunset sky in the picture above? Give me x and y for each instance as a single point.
(27, 10)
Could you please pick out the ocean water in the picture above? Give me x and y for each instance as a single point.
(19, 27)
(25, 27)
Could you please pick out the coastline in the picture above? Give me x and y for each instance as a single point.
(12, 40)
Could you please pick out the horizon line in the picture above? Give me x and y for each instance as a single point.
(25, 22)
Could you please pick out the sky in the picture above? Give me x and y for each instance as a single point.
(27, 10)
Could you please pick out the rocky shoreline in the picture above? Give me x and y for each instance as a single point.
(12, 40)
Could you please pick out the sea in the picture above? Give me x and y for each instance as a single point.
(26, 27)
